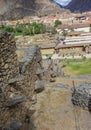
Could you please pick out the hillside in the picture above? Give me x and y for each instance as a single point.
(79, 5)
(21, 8)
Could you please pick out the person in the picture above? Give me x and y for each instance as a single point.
(64, 43)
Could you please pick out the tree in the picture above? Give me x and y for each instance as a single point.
(57, 23)
(9, 29)
(64, 33)
(25, 29)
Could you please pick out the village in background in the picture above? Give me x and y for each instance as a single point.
(45, 72)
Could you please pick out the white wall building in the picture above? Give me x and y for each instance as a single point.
(83, 29)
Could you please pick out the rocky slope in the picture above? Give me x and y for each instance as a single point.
(79, 5)
(21, 8)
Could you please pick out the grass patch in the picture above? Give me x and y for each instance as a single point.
(78, 66)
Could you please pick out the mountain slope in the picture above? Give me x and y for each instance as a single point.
(79, 5)
(21, 8)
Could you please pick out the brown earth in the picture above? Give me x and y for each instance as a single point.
(54, 109)
(20, 8)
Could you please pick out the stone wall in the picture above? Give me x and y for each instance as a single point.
(52, 69)
(17, 81)
(47, 64)
(8, 58)
(29, 65)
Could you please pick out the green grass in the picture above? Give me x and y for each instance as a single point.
(80, 66)
(17, 34)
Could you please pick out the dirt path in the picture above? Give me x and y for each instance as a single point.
(54, 110)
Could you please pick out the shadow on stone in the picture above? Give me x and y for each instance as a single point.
(89, 105)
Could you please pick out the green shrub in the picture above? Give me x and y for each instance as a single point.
(57, 23)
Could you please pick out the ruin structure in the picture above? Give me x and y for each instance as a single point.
(17, 81)
(81, 95)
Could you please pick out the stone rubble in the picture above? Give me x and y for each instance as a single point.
(81, 95)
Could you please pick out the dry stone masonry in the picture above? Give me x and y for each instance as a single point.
(82, 95)
(8, 58)
(17, 82)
